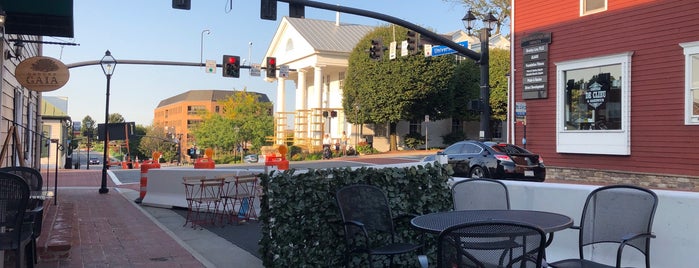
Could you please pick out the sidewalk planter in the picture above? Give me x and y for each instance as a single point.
(301, 223)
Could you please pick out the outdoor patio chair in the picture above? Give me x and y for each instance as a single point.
(368, 223)
(35, 206)
(463, 245)
(621, 215)
(239, 197)
(203, 199)
(476, 194)
(15, 232)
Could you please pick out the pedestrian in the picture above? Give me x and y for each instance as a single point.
(327, 154)
(344, 140)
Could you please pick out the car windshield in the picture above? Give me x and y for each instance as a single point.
(509, 149)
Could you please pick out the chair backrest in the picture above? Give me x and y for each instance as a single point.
(612, 212)
(366, 204)
(491, 244)
(481, 193)
(30, 175)
(14, 196)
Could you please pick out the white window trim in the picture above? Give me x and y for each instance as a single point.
(582, 8)
(690, 48)
(606, 142)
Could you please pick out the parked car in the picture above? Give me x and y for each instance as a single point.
(476, 159)
(251, 158)
(94, 161)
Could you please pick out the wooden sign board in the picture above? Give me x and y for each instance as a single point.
(42, 74)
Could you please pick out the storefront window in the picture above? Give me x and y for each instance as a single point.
(691, 54)
(593, 98)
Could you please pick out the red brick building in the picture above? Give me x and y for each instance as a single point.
(611, 89)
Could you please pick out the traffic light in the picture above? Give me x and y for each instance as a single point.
(231, 66)
(182, 4)
(413, 38)
(376, 49)
(268, 9)
(271, 67)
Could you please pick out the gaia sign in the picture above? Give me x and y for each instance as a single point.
(42, 74)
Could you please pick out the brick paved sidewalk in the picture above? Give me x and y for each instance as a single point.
(106, 230)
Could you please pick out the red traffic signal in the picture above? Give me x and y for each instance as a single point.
(271, 67)
(231, 66)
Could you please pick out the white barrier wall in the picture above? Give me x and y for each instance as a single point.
(676, 223)
(165, 188)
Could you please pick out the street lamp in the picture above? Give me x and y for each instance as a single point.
(201, 47)
(88, 133)
(108, 64)
(489, 23)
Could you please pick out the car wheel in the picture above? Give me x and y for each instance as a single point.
(477, 172)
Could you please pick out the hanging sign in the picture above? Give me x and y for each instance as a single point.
(42, 74)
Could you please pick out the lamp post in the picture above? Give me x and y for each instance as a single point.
(489, 23)
(201, 47)
(88, 133)
(108, 64)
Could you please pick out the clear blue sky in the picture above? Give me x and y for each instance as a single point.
(152, 30)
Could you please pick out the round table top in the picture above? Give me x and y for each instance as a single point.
(439, 221)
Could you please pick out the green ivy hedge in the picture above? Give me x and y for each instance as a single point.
(301, 223)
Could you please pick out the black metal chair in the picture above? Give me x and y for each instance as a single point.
(368, 224)
(618, 214)
(35, 206)
(15, 232)
(481, 193)
(467, 245)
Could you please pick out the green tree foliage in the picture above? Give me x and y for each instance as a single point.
(135, 142)
(116, 118)
(216, 132)
(156, 139)
(388, 91)
(465, 87)
(500, 9)
(84, 129)
(499, 69)
(244, 120)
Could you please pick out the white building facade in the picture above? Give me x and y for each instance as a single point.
(316, 53)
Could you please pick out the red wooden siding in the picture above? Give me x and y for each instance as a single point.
(652, 30)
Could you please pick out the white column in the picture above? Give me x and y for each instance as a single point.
(317, 103)
(301, 91)
(318, 87)
(281, 97)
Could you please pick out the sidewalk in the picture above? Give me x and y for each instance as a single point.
(110, 230)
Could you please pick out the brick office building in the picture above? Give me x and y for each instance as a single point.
(179, 113)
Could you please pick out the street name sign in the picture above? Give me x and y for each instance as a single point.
(444, 50)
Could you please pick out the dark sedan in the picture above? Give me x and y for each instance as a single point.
(476, 159)
(94, 161)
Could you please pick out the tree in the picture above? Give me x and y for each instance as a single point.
(500, 9)
(388, 91)
(499, 69)
(252, 117)
(84, 129)
(156, 139)
(244, 120)
(116, 118)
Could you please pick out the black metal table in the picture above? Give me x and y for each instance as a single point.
(437, 222)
